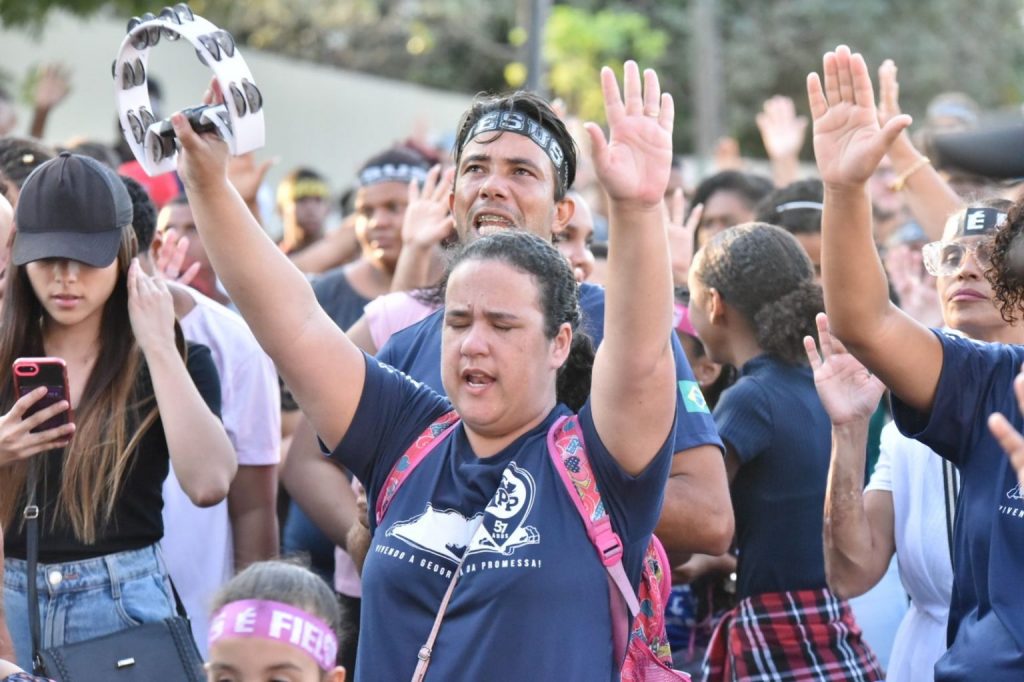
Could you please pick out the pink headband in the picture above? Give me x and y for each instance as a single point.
(681, 320)
(279, 622)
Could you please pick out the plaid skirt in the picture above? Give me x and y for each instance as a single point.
(808, 635)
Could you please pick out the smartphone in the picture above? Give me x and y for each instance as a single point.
(30, 374)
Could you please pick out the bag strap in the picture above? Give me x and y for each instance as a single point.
(31, 517)
(420, 448)
(569, 454)
(427, 649)
(423, 656)
(951, 493)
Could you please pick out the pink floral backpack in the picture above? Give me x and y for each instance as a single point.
(642, 648)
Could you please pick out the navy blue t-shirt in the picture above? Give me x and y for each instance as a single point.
(416, 351)
(532, 598)
(773, 420)
(986, 615)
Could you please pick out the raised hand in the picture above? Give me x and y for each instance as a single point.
(247, 175)
(680, 234)
(635, 162)
(428, 221)
(170, 258)
(727, 154)
(918, 296)
(888, 92)
(782, 131)
(150, 310)
(848, 141)
(1009, 438)
(53, 85)
(17, 442)
(849, 392)
(202, 159)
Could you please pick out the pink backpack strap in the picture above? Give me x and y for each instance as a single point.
(421, 447)
(567, 450)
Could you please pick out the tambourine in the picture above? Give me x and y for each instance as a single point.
(239, 120)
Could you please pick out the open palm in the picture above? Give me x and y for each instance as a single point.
(847, 389)
(634, 164)
(848, 141)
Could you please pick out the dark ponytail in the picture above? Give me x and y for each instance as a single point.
(782, 324)
(763, 272)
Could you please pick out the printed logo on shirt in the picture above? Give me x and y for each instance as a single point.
(500, 529)
(445, 533)
(1016, 494)
(504, 527)
(693, 399)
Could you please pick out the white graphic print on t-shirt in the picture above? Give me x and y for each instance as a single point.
(501, 528)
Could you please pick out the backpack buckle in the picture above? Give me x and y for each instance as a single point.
(609, 546)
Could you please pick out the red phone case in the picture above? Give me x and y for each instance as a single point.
(30, 374)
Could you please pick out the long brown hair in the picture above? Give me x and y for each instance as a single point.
(99, 455)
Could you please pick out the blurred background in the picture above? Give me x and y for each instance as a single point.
(343, 79)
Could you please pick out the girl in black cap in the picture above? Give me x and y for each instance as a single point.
(73, 292)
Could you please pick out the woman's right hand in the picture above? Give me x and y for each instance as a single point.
(849, 392)
(17, 442)
(202, 159)
(849, 143)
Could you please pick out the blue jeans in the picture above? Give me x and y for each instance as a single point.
(82, 600)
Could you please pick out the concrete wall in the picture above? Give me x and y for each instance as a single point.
(323, 117)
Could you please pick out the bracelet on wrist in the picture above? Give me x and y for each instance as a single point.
(900, 182)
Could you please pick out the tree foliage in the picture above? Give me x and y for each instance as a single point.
(577, 43)
(33, 12)
(938, 45)
(766, 47)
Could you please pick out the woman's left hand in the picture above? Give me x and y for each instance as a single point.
(150, 310)
(635, 162)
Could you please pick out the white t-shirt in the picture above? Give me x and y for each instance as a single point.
(197, 543)
(913, 474)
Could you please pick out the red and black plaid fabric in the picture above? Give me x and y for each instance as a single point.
(808, 635)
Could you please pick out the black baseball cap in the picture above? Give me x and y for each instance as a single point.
(71, 207)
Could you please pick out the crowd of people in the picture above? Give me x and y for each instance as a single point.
(760, 387)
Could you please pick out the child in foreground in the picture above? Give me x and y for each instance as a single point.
(274, 622)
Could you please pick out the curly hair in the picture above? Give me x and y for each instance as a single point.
(1006, 272)
(763, 272)
(559, 300)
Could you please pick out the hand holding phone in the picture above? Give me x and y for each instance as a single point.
(44, 402)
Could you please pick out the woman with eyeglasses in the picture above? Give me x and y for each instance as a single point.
(904, 507)
(944, 386)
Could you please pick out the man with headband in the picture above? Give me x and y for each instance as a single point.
(909, 504)
(302, 203)
(515, 163)
(380, 203)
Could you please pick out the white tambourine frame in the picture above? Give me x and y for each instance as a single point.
(239, 121)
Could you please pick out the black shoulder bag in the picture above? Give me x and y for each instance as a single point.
(162, 651)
